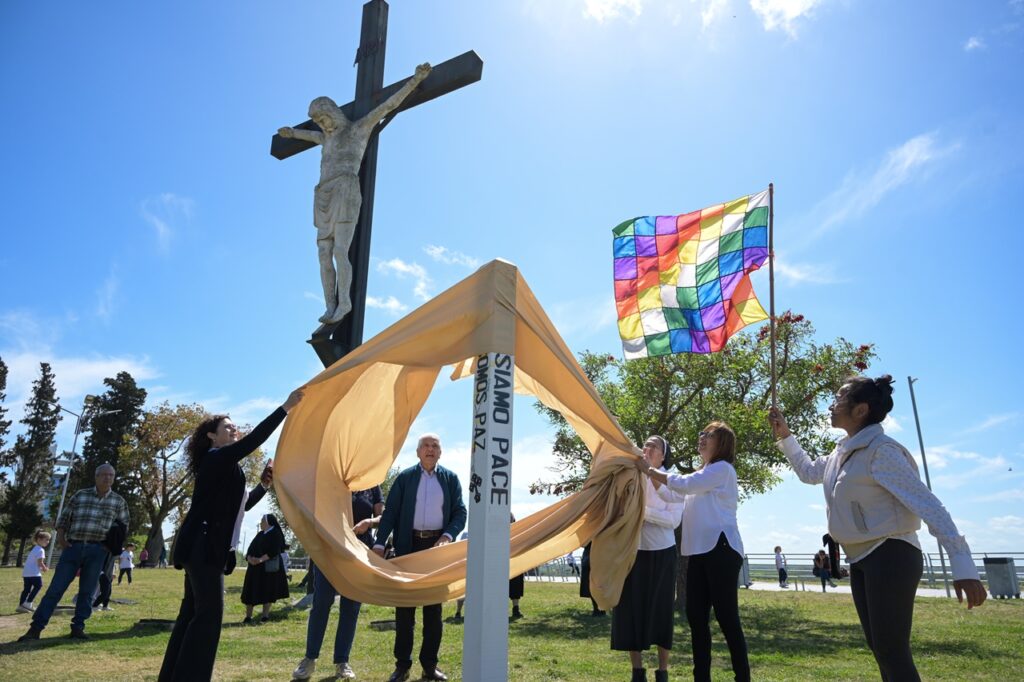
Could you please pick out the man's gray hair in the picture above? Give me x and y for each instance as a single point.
(105, 465)
(425, 436)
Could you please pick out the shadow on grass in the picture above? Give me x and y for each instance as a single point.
(136, 631)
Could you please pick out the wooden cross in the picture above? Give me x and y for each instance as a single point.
(333, 341)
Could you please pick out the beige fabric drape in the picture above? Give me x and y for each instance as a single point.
(346, 434)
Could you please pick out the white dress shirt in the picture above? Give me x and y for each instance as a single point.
(661, 518)
(429, 513)
(891, 470)
(710, 497)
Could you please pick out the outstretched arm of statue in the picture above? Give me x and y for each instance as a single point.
(314, 136)
(393, 102)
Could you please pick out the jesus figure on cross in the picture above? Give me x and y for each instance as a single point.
(338, 197)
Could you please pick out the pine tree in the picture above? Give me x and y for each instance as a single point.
(6, 459)
(33, 460)
(109, 419)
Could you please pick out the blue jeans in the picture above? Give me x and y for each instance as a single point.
(87, 557)
(323, 600)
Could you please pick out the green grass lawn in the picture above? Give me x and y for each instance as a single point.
(792, 636)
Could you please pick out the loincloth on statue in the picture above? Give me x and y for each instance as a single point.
(335, 201)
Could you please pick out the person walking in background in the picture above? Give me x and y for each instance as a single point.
(143, 557)
(822, 569)
(209, 534)
(163, 557)
(643, 616)
(875, 501)
(124, 563)
(265, 581)
(711, 540)
(81, 529)
(424, 509)
(32, 572)
(367, 506)
(516, 587)
(570, 560)
(780, 566)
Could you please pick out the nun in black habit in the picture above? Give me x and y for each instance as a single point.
(265, 578)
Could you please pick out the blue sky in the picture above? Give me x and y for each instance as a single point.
(147, 228)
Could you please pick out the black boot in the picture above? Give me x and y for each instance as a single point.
(639, 675)
(660, 676)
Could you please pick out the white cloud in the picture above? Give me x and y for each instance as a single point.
(974, 43)
(309, 295)
(583, 315)
(901, 165)
(606, 10)
(1012, 495)
(782, 14)
(165, 213)
(105, 296)
(710, 11)
(805, 273)
(402, 269)
(390, 304)
(991, 422)
(445, 255)
(891, 425)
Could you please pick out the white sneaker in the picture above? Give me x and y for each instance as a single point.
(30, 606)
(344, 671)
(305, 669)
(23, 608)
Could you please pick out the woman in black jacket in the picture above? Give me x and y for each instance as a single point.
(265, 577)
(204, 543)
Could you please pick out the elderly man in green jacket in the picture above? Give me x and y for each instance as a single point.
(424, 509)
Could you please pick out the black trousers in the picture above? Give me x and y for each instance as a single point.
(405, 622)
(711, 581)
(103, 598)
(122, 573)
(192, 648)
(884, 584)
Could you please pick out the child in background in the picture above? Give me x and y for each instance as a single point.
(125, 563)
(780, 564)
(32, 572)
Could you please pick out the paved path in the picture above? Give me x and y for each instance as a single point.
(814, 585)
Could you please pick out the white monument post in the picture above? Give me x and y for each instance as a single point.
(485, 642)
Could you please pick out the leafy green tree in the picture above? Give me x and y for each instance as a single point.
(154, 469)
(110, 418)
(19, 518)
(678, 395)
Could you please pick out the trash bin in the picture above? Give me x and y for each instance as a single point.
(1001, 574)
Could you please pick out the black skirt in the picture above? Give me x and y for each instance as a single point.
(644, 615)
(261, 587)
(515, 587)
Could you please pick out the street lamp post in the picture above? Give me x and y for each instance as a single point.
(86, 402)
(927, 478)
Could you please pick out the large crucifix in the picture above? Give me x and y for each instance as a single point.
(343, 131)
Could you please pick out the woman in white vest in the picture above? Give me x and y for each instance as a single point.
(711, 541)
(874, 501)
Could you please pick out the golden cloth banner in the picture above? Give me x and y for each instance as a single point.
(347, 432)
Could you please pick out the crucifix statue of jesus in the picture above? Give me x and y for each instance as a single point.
(338, 196)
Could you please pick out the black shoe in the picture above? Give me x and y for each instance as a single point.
(33, 633)
(596, 613)
(78, 633)
(400, 675)
(247, 620)
(660, 676)
(639, 675)
(516, 614)
(264, 619)
(433, 674)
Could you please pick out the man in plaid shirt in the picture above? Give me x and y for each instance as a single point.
(81, 529)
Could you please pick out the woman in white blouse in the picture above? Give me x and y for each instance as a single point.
(643, 616)
(711, 540)
(875, 500)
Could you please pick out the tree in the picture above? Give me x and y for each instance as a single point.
(5, 424)
(19, 518)
(154, 469)
(32, 460)
(110, 418)
(677, 395)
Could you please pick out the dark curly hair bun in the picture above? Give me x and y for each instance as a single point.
(875, 393)
(884, 383)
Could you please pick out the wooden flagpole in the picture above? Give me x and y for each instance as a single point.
(771, 285)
